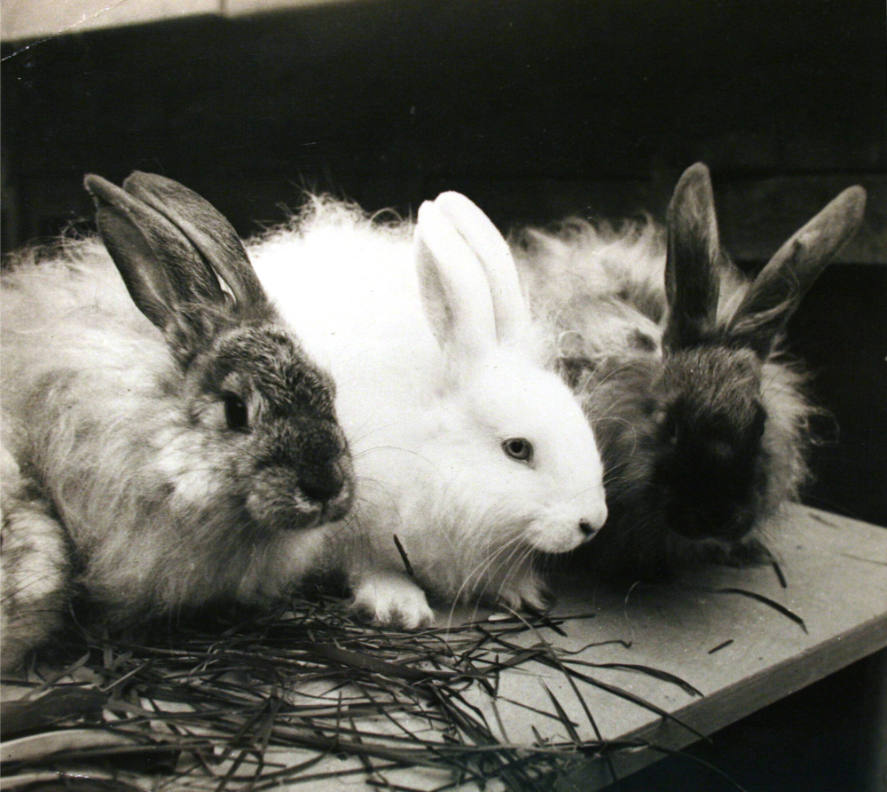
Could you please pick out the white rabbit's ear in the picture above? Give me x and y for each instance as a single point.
(509, 307)
(691, 277)
(776, 292)
(455, 290)
(160, 267)
(206, 228)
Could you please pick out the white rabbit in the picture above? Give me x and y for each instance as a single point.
(466, 449)
(166, 443)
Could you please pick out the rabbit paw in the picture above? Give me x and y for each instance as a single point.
(33, 577)
(392, 600)
(527, 593)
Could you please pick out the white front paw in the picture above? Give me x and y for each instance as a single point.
(391, 599)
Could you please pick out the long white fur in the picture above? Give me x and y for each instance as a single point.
(425, 421)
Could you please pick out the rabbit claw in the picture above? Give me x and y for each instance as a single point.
(527, 594)
(391, 600)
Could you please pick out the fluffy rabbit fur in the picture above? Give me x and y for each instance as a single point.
(466, 449)
(676, 356)
(166, 441)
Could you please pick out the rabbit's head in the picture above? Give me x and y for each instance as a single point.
(521, 459)
(259, 438)
(714, 433)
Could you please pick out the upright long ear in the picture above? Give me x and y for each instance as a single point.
(160, 267)
(455, 290)
(509, 307)
(691, 276)
(207, 229)
(776, 292)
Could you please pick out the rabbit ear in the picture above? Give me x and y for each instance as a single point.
(776, 292)
(455, 290)
(160, 267)
(691, 277)
(206, 228)
(509, 307)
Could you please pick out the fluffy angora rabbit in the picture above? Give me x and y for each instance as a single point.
(470, 457)
(676, 356)
(166, 440)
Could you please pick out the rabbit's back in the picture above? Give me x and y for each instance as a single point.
(71, 314)
(82, 373)
(597, 285)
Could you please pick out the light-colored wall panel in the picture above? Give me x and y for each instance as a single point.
(26, 19)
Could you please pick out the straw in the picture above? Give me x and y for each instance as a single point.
(264, 701)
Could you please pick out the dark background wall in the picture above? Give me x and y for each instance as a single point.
(536, 110)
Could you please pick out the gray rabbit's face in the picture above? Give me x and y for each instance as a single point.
(709, 422)
(273, 423)
(684, 441)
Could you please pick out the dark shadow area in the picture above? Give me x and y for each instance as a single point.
(841, 333)
(788, 746)
(521, 104)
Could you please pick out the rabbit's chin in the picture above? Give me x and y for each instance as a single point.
(695, 528)
(292, 511)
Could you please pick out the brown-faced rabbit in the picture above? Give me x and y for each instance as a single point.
(167, 442)
(676, 355)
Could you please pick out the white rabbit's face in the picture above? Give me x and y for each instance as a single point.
(546, 470)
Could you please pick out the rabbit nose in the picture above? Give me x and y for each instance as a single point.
(590, 524)
(322, 465)
(322, 484)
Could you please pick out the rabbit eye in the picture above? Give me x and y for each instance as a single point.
(235, 412)
(759, 421)
(518, 448)
(670, 428)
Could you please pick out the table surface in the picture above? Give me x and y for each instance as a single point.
(738, 652)
(835, 572)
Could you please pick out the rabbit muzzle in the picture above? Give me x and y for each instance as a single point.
(306, 480)
(560, 532)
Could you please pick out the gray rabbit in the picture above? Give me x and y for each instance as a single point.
(166, 440)
(701, 420)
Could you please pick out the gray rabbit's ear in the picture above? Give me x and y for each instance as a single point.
(162, 270)
(776, 292)
(691, 265)
(206, 228)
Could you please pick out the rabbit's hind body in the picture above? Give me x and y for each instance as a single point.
(348, 283)
(597, 286)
